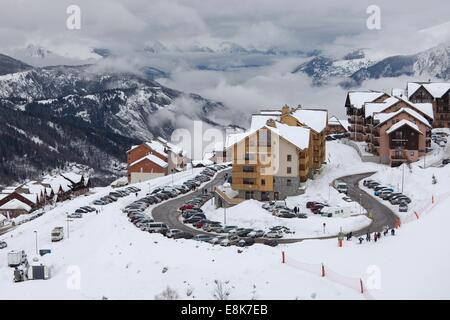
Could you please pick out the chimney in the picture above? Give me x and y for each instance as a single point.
(271, 123)
(285, 109)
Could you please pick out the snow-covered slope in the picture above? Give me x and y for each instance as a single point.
(321, 69)
(107, 257)
(432, 63)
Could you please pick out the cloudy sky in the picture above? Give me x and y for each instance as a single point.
(291, 24)
(335, 27)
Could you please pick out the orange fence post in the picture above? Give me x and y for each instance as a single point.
(362, 286)
(397, 223)
(323, 270)
(432, 199)
(417, 215)
(283, 257)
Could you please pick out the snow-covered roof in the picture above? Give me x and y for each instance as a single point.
(260, 120)
(2, 218)
(436, 89)
(152, 158)
(315, 119)
(425, 108)
(334, 121)
(358, 98)
(383, 117)
(56, 182)
(298, 136)
(3, 195)
(373, 107)
(31, 197)
(402, 123)
(398, 92)
(270, 112)
(176, 149)
(157, 147)
(15, 204)
(72, 176)
(344, 123)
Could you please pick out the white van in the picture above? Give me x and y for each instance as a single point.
(341, 186)
(16, 258)
(57, 234)
(157, 227)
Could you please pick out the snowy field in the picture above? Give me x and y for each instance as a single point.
(107, 257)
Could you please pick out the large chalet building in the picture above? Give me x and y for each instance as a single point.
(281, 151)
(154, 159)
(397, 126)
(436, 93)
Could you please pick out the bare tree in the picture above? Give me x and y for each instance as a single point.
(167, 294)
(221, 291)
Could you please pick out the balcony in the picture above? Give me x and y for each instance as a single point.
(356, 120)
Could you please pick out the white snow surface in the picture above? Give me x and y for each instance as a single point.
(315, 119)
(106, 256)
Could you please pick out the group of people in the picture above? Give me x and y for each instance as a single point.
(376, 235)
(296, 210)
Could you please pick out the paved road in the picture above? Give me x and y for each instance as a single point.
(382, 215)
(167, 211)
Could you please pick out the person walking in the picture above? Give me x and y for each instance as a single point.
(392, 232)
(361, 239)
(368, 237)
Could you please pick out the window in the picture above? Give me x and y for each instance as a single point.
(289, 170)
(248, 169)
(263, 182)
(288, 182)
(289, 157)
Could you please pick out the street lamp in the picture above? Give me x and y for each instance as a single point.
(68, 230)
(35, 233)
(224, 216)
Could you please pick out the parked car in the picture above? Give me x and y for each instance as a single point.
(380, 190)
(244, 232)
(195, 218)
(270, 242)
(227, 229)
(246, 242)
(256, 234)
(274, 234)
(186, 206)
(182, 235)
(75, 215)
(230, 241)
(3, 244)
(202, 238)
(280, 228)
(172, 232)
(446, 161)
(157, 227)
(301, 215)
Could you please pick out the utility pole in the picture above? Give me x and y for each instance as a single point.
(35, 233)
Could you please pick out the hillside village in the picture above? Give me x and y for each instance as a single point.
(296, 174)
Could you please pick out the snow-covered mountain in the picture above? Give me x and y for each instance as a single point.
(321, 68)
(10, 65)
(433, 63)
(39, 56)
(123, 108)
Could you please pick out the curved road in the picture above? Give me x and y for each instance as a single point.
(382, 215)
(167, 211)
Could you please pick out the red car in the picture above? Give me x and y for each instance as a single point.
(186, 207)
